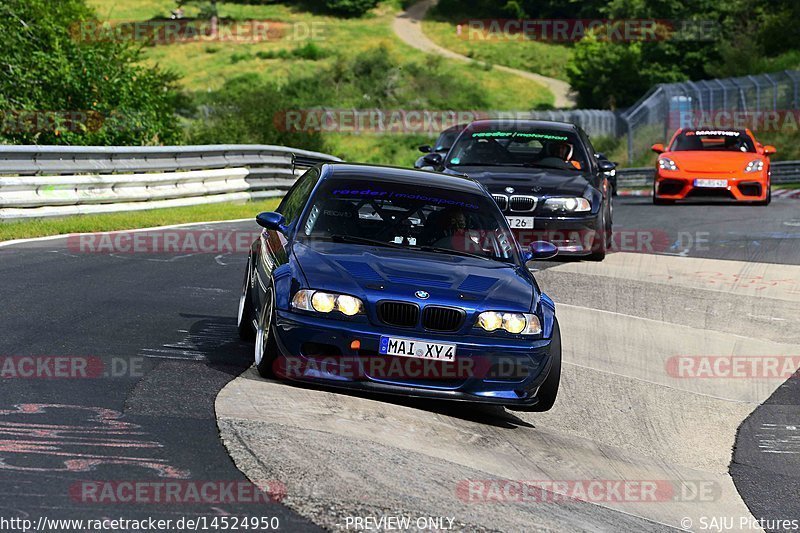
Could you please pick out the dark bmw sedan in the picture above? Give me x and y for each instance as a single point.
(403, 282)
(546, 178)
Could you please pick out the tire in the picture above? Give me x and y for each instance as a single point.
(659, 201)
(244, 318)
(266, 347)
(549, 389)
(768, 199)
(599, 250)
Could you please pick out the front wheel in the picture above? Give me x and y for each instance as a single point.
(245, 318)
(768, 199)
(266, 349)
(599, 249)
(549, 389)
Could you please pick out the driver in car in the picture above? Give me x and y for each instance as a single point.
(448, 229)
(562, 151)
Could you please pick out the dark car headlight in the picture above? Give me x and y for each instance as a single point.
(327, 302)
(516, 323)
(568, 205)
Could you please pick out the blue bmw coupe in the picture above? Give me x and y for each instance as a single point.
(403, 282)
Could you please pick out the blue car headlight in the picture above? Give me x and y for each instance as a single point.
(516, 323)
(327, 302)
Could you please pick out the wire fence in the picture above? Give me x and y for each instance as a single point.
(768, 102)
(763, 102)
(595, 122)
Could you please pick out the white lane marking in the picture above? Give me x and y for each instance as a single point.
(653, 321)
(766, 317)
(650, 382)
(779, 438)
(67, 235)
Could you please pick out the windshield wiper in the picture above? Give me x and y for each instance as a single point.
(439, 250)
(565, 166)
(486, 165)
(361, 240)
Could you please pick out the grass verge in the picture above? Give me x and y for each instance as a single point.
(511, 51)
(26, 229)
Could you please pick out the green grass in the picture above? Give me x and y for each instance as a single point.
(515, 52)
(205, 66)
(132, 220)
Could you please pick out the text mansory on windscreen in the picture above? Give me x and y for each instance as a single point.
(400, 281)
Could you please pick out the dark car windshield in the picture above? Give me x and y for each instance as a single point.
(399, 215)
(713, 141)
(446, 140)
(540, 149)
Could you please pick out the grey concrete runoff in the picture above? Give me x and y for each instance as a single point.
(622, 414)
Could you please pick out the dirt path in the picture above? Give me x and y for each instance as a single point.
(408, 27)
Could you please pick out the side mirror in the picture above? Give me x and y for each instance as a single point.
(769, 150)
(435, 159)
(658, 148)
(425, 148)
(606, 165)
(540, 250)
(273, 221)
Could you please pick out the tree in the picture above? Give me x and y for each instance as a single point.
(64, 84)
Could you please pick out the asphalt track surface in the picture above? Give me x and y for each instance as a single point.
(703, 279)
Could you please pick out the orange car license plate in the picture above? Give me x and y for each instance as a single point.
(713, 184)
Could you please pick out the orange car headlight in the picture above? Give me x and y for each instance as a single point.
(665, 163)
(757, 165)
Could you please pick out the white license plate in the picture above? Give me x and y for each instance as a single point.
(713, 184)
(520, 222)
(417, 348)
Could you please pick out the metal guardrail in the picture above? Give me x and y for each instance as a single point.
(42, 181)
(782, 172)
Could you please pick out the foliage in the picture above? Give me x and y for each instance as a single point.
(61, 86)
(350, 8)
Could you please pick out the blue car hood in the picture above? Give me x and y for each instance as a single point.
(374, 273)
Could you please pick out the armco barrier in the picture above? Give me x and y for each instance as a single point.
(45, 181)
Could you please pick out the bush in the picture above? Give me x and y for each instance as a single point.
(62, 86)
(248, 110)
(350, 8)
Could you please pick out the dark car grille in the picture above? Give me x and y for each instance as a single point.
(502, 201)
(401, 314)
(442, 318)
(750, 188)
(522, 203)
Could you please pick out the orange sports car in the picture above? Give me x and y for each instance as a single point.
(703, 163)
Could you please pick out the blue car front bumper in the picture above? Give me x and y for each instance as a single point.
(340, 353)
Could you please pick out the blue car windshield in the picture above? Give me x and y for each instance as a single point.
(401, 215)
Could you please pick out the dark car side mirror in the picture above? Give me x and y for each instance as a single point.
(271, 220)
(425, 148)
(658, 148)
(606, 165)
(435, 159)
(539, 250)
